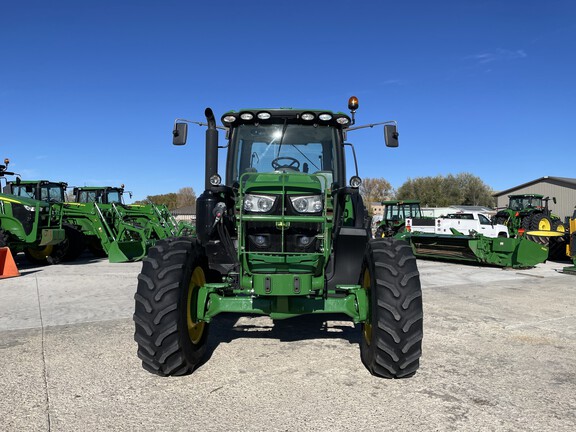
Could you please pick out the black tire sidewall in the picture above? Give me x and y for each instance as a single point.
(162, 331)
(384, 257)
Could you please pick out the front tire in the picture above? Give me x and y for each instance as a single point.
(391, 342)
(171, 341)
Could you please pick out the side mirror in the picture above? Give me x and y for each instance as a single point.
(180, 134)
(554, 200)
(391, 135)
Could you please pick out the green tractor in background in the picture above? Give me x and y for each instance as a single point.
(284, 235)
(156, 215)
(530, 213)
(144, 223)
(109, 227)
(395, 214)
(30, 225)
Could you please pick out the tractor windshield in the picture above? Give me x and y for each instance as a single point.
(114, 196)
(52, 193)
(525, 202)
(403, 211)
(283, 147)
(48, 192)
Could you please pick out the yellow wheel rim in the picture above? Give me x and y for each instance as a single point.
(41, 253)
(560, 228)
(544, 225)
(367, 328)
(195, 328)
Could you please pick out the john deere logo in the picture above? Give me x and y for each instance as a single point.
(281, 225)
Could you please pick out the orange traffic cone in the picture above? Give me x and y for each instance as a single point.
(7, 264)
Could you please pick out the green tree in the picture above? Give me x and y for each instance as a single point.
(173, 200)
(440, 191)
(185, 197)
(476, 192)
(376, 190)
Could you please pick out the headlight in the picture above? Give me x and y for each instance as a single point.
(258, 203)
(307, 204)
(30, 208)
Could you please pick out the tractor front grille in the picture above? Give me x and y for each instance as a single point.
(271, 237)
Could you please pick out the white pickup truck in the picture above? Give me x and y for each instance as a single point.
(466, 223)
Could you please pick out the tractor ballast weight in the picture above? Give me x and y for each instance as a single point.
(283, 236)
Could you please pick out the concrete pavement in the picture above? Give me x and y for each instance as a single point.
(499, 355)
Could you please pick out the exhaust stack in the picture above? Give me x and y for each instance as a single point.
(211, 148)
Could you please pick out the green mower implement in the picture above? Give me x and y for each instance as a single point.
(284, 235)
(510, 252)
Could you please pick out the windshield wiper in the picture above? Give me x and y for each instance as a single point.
(282, 136)
(302, 153)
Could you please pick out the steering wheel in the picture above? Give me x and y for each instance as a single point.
(293, 164)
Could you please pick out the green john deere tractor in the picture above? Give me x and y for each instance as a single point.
(528, 214)
(123, 232)
(395, 214)
(30, 225)
(283, 236)
(109, 227)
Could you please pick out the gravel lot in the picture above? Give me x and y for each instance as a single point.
(499, 355)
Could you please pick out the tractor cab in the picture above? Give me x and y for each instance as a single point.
(286, 191)
(99, 195)
(41, 190)
(395, 214)
(285, 144)
(526, 201)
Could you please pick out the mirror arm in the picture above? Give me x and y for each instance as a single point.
(179, 120)
(394, 122)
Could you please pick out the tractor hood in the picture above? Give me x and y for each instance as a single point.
(276, 182)
(29, 202)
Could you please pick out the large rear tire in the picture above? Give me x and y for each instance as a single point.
(537, 222)
(41, 255)
(540, 222)
(171, 341)
(391, 342)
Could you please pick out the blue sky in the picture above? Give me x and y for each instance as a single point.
(89, 90)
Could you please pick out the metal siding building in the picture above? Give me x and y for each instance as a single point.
(563, 188)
